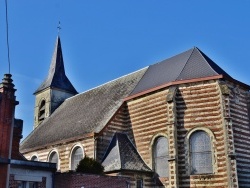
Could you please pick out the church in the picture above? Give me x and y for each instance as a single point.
(182, 122)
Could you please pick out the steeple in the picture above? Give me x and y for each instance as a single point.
(54, 89)
(57, 78)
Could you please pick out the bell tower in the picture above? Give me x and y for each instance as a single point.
(54, 89)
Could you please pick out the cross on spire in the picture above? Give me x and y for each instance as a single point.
(59, 28)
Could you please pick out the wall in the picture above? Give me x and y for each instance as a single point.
(53, 99)
(120, 122)
(196, 105)
(64, 151)
(238, 117)
(77, 180)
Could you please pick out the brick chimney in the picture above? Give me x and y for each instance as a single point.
(7, 110)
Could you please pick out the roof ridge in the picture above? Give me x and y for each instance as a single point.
(119, 156)
(110, 82)
(185, 63)
(206, 60)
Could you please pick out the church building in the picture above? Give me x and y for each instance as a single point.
(182, 122)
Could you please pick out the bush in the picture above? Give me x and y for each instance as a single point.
(89, 165)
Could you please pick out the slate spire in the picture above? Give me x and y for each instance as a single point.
(57, 78)
(122, 155)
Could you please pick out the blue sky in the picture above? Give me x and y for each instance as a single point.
(103, 40)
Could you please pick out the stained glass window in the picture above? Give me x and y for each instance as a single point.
(76, 156)
(200, 153)
(161, 157)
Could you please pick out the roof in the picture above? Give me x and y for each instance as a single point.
(56, 77)
(84, 113)
(188, 65)
(90, 111)
(33, 164)
(122, 155)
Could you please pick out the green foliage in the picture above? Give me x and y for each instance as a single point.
(89, 165)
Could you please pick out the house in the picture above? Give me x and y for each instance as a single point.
(15, 170)
(182, 122)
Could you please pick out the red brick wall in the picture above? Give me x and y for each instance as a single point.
(77, 180)
(7, 108)
(17, 135)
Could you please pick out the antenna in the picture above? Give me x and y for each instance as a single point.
(7, 32)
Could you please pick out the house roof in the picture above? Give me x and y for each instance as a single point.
(84, 113)
(188, 65)
(57, 78)
(122, 155)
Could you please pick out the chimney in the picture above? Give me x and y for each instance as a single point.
(7, 111)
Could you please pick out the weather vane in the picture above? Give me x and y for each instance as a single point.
(59, 28)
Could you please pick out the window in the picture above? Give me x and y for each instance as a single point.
(200, 153)
(41, 113)
(53, 158)
(139, 183)
(76, 156)
(34, 158)
(161, 157)
(26, 184)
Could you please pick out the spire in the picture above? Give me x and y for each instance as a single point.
(56, 77)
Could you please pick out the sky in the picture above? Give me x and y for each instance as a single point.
(104, 40)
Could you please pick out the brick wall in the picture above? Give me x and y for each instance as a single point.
(194, 106)
(78, 180)
(7, 109)
(238, 118)
(64, 151)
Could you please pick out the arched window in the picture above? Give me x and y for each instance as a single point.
(41, 113)
(53, 158)
(76, 156)
(34, 158)
(200, 153)
(161, 157)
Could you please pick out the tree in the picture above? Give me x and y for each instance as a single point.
(89, 165)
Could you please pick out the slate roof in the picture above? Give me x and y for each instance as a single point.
(56, 77)
(184, 66)
(122, 155)
(87, 112)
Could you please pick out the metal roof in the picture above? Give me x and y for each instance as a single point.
(190, 64)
